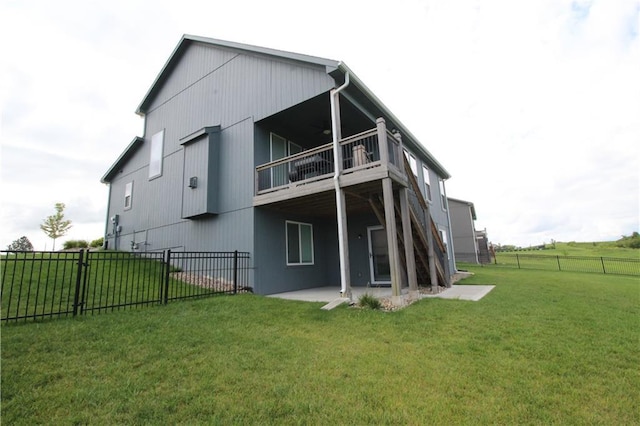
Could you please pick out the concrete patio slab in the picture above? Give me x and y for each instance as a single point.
(329, 294)
(464, 292)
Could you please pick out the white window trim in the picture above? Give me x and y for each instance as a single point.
(128, 192)
(157, 148)
(413, 163)
(286, 230)
(426, 180)
(443, 237)
(443, 196)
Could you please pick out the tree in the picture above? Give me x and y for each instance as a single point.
(55, 226)
(21, 244)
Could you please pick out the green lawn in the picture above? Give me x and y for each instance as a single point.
(541, 348)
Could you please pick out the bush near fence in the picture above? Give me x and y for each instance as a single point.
(600, 265)
(37, 285)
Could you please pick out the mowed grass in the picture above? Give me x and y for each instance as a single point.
(541, 348)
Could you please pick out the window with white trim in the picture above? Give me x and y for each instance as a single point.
(427, 183)
(299, 243)
(443, 195)
(443, 236)
(155, 156)
(128, 194)
(412, 162)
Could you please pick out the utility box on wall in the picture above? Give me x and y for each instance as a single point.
(201, 177)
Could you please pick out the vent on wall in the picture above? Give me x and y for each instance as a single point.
(193, 182)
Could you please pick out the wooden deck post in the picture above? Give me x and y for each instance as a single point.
(392, 240)
(408, 241)
(383, 146)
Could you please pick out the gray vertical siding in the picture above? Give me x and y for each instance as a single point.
(464, 236)
(215, 86)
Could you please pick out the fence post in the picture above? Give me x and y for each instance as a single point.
(235, 272)
(604, 271)
(165, 298)
(76, 294)
(558, 259)
(518, 260)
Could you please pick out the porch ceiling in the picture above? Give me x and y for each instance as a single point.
(304, 123)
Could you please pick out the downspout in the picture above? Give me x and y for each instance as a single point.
(336, 182)
(105, 239)
(450, 232)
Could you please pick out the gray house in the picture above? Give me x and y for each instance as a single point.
(288, 157)
(469, 244)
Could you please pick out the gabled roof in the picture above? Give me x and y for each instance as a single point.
(124, 157)
(187, 39)
(336, 69)
(468, 203)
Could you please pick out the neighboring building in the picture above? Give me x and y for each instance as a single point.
(469, 245)
(237, 154)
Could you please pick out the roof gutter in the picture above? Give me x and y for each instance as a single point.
(390, 117)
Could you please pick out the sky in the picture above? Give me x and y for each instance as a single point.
(532, 107)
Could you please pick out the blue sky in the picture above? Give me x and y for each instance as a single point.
(533, 107)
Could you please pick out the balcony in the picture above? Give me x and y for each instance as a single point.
(364, 158)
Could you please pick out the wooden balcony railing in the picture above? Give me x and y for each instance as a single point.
(365, 150)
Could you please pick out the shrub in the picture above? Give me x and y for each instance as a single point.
(73, 244)
(369, 301)
(21, 244)
(97, 243)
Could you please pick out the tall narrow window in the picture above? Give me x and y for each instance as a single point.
(443, 236)
(412, 163)
(443, 195)
(155, 156)
(128, 194)
(427, 183)
(299, 243)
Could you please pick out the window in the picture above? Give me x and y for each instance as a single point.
(128, 193)
(299, 243)
(443, 195)
(443, 236)
(412, 163)
(155, 157)
(427, 183)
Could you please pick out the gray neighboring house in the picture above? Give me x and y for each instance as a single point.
(238, 153)
(469, 244)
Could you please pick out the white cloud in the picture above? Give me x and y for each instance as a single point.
(532, 106)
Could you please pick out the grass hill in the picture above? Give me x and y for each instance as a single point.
(626, 247)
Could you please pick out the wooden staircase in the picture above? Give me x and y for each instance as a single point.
(420, 217)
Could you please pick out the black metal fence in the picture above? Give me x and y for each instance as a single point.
(37, 285)
(600, 265)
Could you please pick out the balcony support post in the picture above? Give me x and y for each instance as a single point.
(392, 240)
(407, 235)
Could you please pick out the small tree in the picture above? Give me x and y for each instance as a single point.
(21, 244)
(55, 226)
